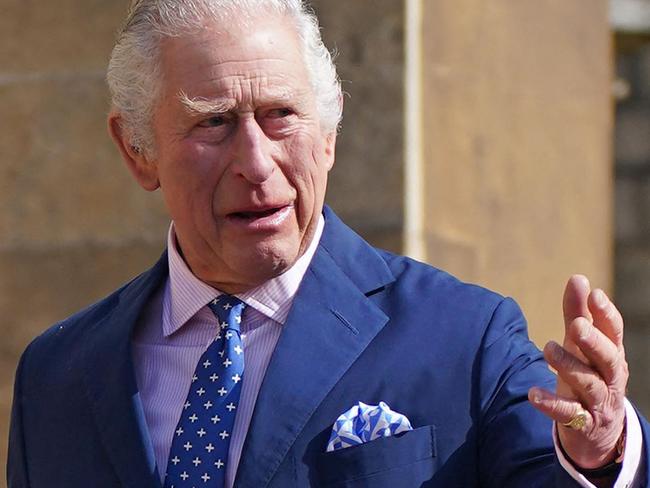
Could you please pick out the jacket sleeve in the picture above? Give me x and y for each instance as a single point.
(17, 459)
(515, 440)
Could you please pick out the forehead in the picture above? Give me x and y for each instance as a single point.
(217, 60)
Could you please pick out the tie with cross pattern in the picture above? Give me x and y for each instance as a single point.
(200, 445)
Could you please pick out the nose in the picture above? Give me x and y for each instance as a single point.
(253, 158)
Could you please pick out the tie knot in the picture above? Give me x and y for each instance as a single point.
(228, 310)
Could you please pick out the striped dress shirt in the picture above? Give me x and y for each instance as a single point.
(176, 328)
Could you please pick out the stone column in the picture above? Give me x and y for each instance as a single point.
(516, 122)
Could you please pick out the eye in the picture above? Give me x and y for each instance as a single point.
(214, 121)
(280, 113)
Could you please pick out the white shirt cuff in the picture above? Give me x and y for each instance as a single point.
(630, 470)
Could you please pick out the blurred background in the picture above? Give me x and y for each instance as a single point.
(507, 142)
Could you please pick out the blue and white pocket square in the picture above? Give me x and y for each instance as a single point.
(365, 423)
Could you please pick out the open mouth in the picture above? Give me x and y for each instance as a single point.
(270, 218)
(257, 214)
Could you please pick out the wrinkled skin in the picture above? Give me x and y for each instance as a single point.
(592, 374)
(241, 157)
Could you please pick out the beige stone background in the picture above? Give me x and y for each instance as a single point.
(73, 225)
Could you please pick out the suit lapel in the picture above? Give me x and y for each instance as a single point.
(330, 324)
(111, 386)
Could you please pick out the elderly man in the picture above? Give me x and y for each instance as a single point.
(271, 346)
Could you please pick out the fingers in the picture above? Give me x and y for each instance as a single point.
(606, 316)
(582, 380)
(588, 404)
(574, 302)
(599, 350)
(574, 305)
(560, 409)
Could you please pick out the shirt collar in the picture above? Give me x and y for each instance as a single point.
(185, 294)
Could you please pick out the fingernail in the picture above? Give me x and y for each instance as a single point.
(536, 396)
(600, 298)
(556, 351)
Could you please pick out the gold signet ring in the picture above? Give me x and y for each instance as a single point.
(578, 421)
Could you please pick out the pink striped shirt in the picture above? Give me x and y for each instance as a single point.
(177, 327)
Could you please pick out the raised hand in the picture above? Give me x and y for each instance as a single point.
(588, 405)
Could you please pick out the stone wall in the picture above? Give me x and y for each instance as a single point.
(517, 148)
(632, 151)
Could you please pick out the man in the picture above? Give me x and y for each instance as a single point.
(230, 361)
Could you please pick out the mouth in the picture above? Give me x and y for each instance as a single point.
(256, 214)
(263, 218)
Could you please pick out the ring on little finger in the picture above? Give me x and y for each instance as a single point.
(578, 421)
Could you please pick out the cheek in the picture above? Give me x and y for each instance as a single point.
(190, 178)
(307, 155)
(198, 165)
(320, 169)
(307, 174)
(301, 168)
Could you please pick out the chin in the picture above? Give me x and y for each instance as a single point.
(266, 263)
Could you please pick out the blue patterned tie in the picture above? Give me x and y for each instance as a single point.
(199, 449)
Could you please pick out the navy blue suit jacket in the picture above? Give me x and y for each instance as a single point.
(366, 326)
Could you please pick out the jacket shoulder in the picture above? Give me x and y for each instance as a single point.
(54, 356)
(427, 282)
(60, 349)
(71, 327)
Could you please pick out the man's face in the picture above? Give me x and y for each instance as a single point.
(241, 158)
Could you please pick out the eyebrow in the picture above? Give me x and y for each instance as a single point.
(205, 106)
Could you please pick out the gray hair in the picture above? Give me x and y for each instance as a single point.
(134, 72)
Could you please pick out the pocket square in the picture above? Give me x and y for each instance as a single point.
(364, 423)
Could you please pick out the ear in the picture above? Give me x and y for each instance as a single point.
(330, 140)
(144, 171)
(330, 149)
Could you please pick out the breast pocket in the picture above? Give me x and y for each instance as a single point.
(404, 460)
